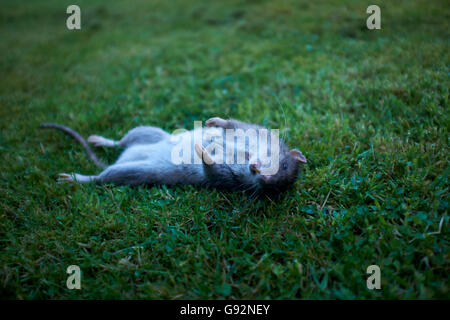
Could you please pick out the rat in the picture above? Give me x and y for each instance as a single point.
(151, 156)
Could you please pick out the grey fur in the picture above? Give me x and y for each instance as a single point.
(143, 135)
(146, 161)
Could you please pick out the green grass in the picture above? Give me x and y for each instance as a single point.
(369, 109)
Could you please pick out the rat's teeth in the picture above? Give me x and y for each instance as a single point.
(203, 154)
(199, 150)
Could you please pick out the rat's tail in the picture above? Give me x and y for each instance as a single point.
(79, 138)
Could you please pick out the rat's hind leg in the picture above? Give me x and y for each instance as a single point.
(139, 135)
(128, 173)
(99, 141)
(131, 173)
(143, 135)
(75, 177)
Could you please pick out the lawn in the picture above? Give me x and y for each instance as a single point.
(368, 108)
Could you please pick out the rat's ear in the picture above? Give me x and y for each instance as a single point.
(297, 155)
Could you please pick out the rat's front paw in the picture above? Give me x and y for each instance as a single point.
(216, 122)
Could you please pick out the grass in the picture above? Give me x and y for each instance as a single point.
(369, 109)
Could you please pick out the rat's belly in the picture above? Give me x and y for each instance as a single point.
(156, 159)
(160, 151)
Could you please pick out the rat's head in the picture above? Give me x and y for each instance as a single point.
(287, 173)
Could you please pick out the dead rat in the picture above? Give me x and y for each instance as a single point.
(205, 156)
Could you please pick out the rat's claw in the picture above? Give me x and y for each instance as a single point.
(210, 122)
(216, 121)
(65, 177)
(203, 154)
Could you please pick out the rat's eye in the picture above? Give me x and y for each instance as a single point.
(285, 166)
